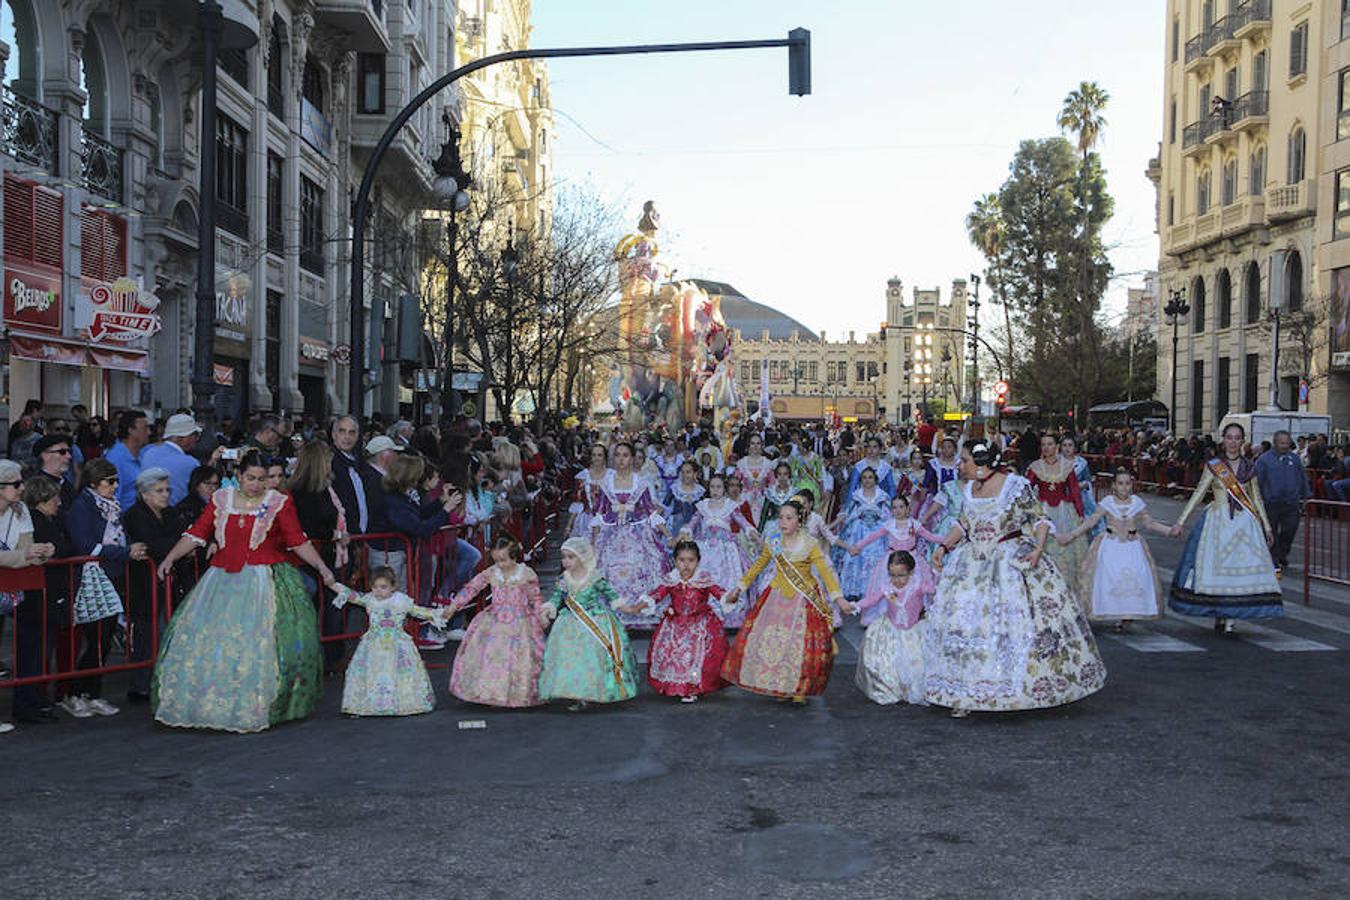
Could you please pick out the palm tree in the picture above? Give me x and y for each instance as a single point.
(988, 232)
(1081, 115)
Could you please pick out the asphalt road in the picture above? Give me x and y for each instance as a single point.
(1209, 766)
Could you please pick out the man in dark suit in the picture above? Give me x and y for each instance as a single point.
(348, 481)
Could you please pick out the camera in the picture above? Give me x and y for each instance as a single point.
(230, 453)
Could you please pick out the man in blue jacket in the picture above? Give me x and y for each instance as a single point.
(1284, 487)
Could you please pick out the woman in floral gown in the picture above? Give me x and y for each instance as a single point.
(1056, 485)
(867, 511)
(786, 647)
(588, 658)
(628, 527)
(1004, 632)
(1225, 569)
(586, 486)
(755, 471)
(242, 651)
(502, 653)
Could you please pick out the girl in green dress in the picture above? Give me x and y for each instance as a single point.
(588, 658)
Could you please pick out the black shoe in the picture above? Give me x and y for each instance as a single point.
(137, 697)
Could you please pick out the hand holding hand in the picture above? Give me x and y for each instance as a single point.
(137, 550)
(1175, 530)
(329, 581)
(1034, 558)
(1063, 539)
(847, 608)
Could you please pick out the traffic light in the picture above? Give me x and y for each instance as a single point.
(799, 62)
(1000, 393)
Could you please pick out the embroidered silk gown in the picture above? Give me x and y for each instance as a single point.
(755, 476)
(629, 548)
(680, 502)
(897, 536)
(808, 473)
(588, 656)
(1225, 569)
(1061, 498)
(720, 552)
(386, 676)
(936, 475)
(668, 470)
(865, 515)
(774, 497)
(890, 664)
(586, 489)
(786, 646)
(688, 647)
(242, 651)
(502, 654)
(1119, 568)
(885, 477)
(1000, 635)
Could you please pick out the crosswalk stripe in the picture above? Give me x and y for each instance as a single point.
(1318, 617)
(1279, 641)
(1153, 642)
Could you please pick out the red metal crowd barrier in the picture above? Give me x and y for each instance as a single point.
(47, 646)
(1326, 543)
(1159, 476)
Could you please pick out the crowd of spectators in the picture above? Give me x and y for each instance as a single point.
(123, 496)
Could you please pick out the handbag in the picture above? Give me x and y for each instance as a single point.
(96, 598)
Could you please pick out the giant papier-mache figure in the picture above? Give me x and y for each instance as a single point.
(675, 350)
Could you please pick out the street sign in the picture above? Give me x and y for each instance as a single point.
(1000, 387)
(342, 354)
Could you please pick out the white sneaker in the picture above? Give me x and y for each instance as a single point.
(6, 727)
(101, 707)
(76, 706)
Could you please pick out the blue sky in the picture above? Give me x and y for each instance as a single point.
(810, 204)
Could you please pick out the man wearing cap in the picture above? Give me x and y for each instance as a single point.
(174, 453)
(380, 451)
(53, 457)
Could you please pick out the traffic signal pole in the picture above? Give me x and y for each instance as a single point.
(798, 43)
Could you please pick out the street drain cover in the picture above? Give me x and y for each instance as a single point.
(801, 852)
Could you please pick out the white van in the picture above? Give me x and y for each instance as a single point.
(1261, 426)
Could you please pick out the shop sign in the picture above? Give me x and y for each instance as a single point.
(342, 354)
(32, 298)
(313, 351)
(224, 375)
(119, 312)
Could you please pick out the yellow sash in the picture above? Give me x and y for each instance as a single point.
(1234, 487)
(611, 645)
(801, 586)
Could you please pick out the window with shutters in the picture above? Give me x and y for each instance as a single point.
(1251, 385)
(34, 223)
(1252, 292)
(1197, 395)
(1298, 147)
(1257, 182)
(1298, 50)
(1223, 290)
(103, 244)
(1228, 182)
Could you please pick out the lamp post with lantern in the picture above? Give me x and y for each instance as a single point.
(451, 184)
(1176, 309)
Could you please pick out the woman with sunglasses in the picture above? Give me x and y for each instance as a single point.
(94, 524)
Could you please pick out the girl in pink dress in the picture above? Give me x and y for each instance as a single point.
(711, 526)
(755, 471)
(630, 534)
(502, 653)
(901, 533)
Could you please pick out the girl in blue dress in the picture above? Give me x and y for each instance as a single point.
(867, 509)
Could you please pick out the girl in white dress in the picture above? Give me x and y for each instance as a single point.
(711, 526)
(1119, 570)
(890, 666)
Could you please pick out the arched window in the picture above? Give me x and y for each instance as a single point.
(1293, 281)
(1198, 305)
(1228, 189)
(1297, 156)
(1252, 292)
(1223, 296)
(1202, 182)
(94, 83)
(1257, 185)
(19, 30)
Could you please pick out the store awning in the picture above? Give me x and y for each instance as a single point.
(78, 353)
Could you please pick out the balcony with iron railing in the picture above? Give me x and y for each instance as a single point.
(1252, 19)
(29, 132)
(1219, 36)
(1250, 110)
(100, 166)
(1196, 49)
(362, 20)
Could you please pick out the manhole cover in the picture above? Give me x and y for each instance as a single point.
(801, 852)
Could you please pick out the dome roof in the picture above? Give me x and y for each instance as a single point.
(752, 319)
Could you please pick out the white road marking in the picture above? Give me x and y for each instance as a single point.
(1153, 642)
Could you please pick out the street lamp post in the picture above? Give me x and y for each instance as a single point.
(217, 33)
(1176, 309)
(451, 183)
(797, 42)
(974, 348)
